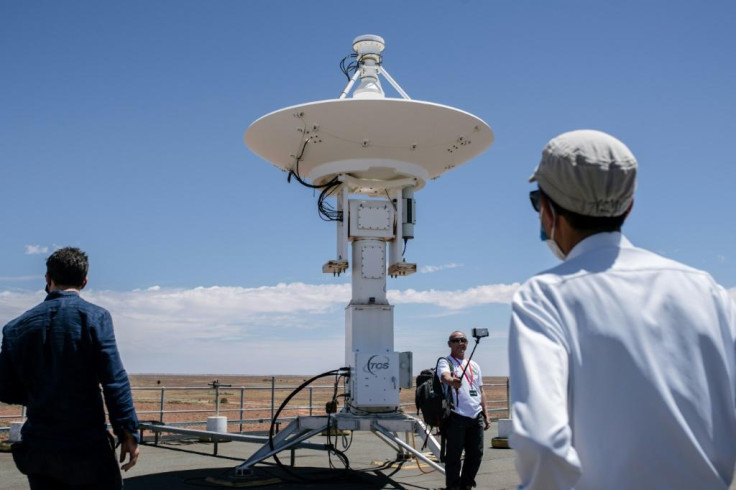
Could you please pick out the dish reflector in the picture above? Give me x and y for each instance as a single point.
(377, 139)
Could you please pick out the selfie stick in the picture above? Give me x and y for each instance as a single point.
(477, 333)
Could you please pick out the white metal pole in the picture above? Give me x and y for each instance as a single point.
(350, 84)
(394, 84)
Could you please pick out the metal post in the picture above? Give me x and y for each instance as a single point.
(508, 399)
(311, 400)
(242, 406)
(273, 395)
(350, 84)
(217, 397)
(161, 413)
(161, 408)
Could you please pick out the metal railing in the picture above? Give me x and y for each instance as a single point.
(312, 403)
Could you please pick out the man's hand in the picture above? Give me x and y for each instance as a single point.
(486, 422)
(456, 383)
(129, 446)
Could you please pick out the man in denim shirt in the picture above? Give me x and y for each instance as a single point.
(53, 360)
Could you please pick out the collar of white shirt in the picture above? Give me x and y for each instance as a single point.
(598, 241)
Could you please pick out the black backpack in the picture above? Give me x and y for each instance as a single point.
(431, 398)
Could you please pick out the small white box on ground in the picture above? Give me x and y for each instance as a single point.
(15, 431)
(505, 428)
(217, 424)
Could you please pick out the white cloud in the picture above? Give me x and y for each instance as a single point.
(457, 300)
(429, 269)
(21, 278)
(13, 303)
(235, 329)
(36, 249)
(238, 306)
(732, 292)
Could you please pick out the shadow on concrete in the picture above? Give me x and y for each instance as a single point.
(273, 477)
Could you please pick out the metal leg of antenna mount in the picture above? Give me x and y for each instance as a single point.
(420, 430)
(350, 84)
(394, 84)
(384, 426)
(388, 435)
(283, 440)
(389, 442)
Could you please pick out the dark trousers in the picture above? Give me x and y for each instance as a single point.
(91, 468)
(463, 433)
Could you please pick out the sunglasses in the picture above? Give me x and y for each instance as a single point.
(459, 340)
(534, 198)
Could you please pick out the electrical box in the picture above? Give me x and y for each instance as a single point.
(375, 379)
(371, 219)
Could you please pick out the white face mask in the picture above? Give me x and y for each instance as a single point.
(550, 241)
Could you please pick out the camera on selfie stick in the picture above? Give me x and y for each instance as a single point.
(478, 333)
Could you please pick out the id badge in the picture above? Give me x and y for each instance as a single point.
(473, 392)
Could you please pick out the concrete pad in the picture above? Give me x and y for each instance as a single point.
(189, 464)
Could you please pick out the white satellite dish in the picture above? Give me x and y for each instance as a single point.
(370, 139)
(387, 149)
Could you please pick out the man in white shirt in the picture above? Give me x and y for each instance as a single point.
(469, 417)
(622, 362)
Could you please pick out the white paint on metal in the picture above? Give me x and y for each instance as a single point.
(406, 138)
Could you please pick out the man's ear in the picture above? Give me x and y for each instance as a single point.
(84, 283)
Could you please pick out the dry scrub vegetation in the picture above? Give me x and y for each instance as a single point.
(195, 405)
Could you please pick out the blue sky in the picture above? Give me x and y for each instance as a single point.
(121, 132)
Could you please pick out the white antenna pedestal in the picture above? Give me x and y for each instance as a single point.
(370, 153)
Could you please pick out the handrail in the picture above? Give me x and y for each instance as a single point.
(242, 407)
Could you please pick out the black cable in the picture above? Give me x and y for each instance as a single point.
(347, 443)
(295, 172)
(281, 407)
(332, 447)
(325, 210)
(351, 67)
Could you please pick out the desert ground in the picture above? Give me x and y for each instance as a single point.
(189, 399)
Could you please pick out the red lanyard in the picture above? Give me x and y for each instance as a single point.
(469, 369)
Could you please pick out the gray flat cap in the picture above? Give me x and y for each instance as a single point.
(588, 172)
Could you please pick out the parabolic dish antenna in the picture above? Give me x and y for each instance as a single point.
(379, 139)
(386, 149)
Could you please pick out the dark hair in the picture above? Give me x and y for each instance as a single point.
(67, 266)
(591, 224)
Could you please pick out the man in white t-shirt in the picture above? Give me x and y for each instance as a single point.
(469, 417)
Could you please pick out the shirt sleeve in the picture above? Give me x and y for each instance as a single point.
(538, 375)
(443, 366)
(11, 388)
(114, 379)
